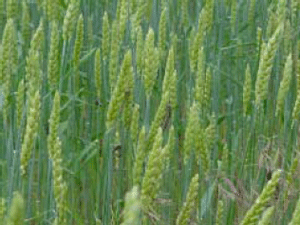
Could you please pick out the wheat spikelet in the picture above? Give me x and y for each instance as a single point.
(284, 85)
(78, 42)
(225, 159)
(207, 90)
(122, 21)
(132, 207)
(170, 147)
(289, 177)
(287, 38)
(105, 41)
(151, 63)
(114, 53)
(139, 158)
(272, 22)
(32, 73)
(70, 19)
(139, 51)
(53, 125)
(170, 78)
(2, 209)
(133, 5)
(173, 90)
(11, 8)
(267, 216)
(197, 42)
(52, 7)
(191, 132)
(220, 213)
(32, 61)
(127, 112)
(296, 109)
(30, 131)
(192, 38)
(2, 13)
(190, 203)
(247, 90)
(294, 7)
(134, 128)
(8, 62)
(9, 50)
(148, 9)
(137, 18)
(38, 38)
(258, 41)
(119, 92)
(209, 6)
(265, 66)
(184, 12)
(210, 133)
(159, 115)
(118, 12)
(26, 30)
(201, 150)
(290, 174)
(54, 149)
(200, 81)
(53, 64)
(259, 205)
(20, 102)
(77, 50)
(174, 42)
(17, 210)
(59, 185)
(151, 181)
(162, 35)
(281, 10)
(169, 70)
(296, 215)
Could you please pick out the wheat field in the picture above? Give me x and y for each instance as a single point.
(138, 112)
